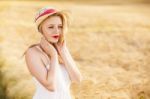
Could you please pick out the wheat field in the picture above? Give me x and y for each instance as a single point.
(110, 44)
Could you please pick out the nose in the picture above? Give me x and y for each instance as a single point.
(56, 30)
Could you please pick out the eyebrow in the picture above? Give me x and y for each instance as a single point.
(55, 24)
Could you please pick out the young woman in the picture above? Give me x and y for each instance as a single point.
(50, 62)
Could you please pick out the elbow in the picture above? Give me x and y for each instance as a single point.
(50, 87)
(78, 79)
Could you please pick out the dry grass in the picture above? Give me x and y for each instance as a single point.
(110, 43)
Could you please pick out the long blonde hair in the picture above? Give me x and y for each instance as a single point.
(65, 21)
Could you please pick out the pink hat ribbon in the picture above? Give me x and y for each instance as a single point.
(44, 11)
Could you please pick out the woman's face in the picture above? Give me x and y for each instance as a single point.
(52, 29)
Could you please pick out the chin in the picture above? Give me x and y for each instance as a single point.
(53, 41)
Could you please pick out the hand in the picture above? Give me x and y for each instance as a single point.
(48, 47)
(61, 47)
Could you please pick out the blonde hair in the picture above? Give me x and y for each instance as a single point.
(65, 21)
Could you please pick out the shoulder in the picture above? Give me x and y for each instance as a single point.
(32, 52)
(36, 55)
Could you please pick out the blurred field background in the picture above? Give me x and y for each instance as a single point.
(109, 40)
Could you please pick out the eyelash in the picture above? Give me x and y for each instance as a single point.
(53, 27)
(50, 27)
(60, 27)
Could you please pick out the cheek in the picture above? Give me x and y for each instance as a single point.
(48, 32)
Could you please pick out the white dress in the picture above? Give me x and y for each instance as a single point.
(63, 86)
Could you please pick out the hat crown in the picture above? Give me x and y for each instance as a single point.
(44, 10)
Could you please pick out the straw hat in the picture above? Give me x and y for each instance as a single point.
(42, 14)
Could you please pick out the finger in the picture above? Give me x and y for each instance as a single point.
(44, 44)
(63, 42)
(45, 41)
(57, 48)
(56, 45)
(42, 40)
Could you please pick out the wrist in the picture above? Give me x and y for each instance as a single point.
(53, 56)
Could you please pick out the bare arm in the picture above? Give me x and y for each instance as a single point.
(74, 72)
(38, 70)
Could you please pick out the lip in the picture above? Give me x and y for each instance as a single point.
(55, 36)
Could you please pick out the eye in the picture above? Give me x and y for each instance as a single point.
(50, 27)
(60, 27)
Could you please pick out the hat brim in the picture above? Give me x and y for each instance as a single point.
(42, 18)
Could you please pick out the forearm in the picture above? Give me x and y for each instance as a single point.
(51, 75)
(71, 67)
